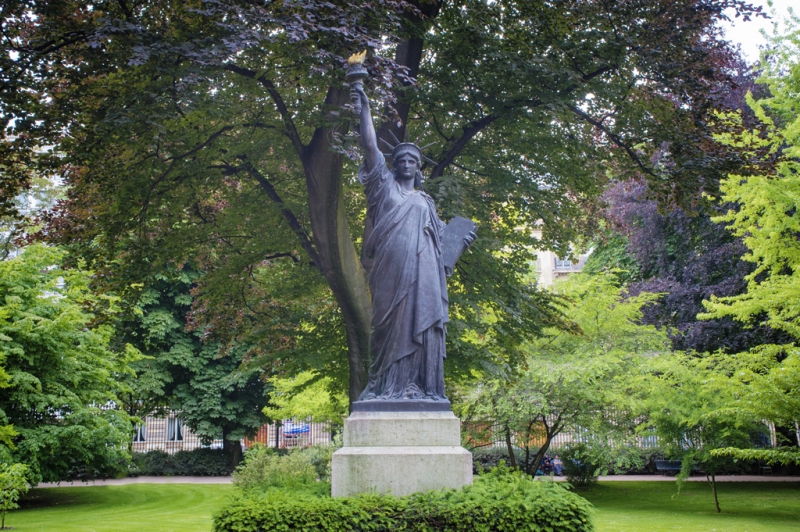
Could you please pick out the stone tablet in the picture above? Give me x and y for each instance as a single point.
(453, 244)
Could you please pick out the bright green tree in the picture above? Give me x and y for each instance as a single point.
(768, 378)
(63, 379)
(574, 380)
(765, 216)
(13, 485)
(308, 394)
(765, 212)
(685, 401)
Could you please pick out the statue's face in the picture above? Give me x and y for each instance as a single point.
(406, 167)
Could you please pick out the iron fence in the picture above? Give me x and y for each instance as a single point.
(170, 434)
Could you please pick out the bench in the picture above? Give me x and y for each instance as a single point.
(672, 466)
(668, 466)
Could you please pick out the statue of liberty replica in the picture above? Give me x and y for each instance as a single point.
(407, 256)
(401, 436)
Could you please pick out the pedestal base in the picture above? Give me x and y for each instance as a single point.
(400, 453)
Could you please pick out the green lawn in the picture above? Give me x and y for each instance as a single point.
(621, 506)
(148, 507)
(654, 507)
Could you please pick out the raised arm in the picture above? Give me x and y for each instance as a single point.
(368, 139)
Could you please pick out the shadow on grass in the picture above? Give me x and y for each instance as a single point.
(50, 497)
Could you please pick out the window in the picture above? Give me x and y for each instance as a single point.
(563, 264)
(174, 429)
(140, 433)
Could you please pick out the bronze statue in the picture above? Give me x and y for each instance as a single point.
(409, 251)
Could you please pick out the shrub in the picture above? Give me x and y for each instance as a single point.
(320, 457)
(581, 464)
(263, 468)
(197, 462)
(499, 500)
(486, 458)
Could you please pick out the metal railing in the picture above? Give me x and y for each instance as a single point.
(169, 434)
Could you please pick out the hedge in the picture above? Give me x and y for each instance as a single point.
(498, 501)
(198, 462)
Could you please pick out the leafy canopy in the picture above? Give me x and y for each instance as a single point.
(765, 213)
(218, 133)
(62, 378)
(574, 380)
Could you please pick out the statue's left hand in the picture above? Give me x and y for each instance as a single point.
(470, 238)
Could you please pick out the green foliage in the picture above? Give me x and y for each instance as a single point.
(265, 469)
(204, 381)
(585, 460)
(306, 395)
(685, 400)
(499, 500)
(766, 203)
(61, 373)
(610, 254)
(689, 402)
(581, 464)
(572, 380)
(775, 456)
(765, 216)
(217, 134)
(13, 485)
(486, 458)
(766, 380)
(197, 462)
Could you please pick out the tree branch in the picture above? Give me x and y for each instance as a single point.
(284, 254)
(469, 132)
(294, 223)
(291, 130)
(614, 137)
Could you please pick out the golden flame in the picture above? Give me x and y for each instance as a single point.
(357, 59)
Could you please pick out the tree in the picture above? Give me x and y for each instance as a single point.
(768, 378)
(572, 380)
(686, 402)
(13, 485)
(219, 130)
(205, 383)
(765, 203)
(764, 215)
(685, 256)
(63, 379)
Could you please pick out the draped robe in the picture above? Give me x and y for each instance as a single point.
(409, 290)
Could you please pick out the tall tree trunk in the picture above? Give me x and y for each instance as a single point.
(330, 229)
(797, 431)
(331, 233)
(232, 449)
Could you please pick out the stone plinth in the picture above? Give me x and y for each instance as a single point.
(400, 453)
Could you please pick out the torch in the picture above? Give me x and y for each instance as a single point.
(356, 74)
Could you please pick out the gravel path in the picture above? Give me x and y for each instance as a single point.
(138, 480)
(227, 480)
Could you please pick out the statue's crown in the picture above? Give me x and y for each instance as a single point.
(407, 148)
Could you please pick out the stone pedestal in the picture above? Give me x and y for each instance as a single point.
(400, 453)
